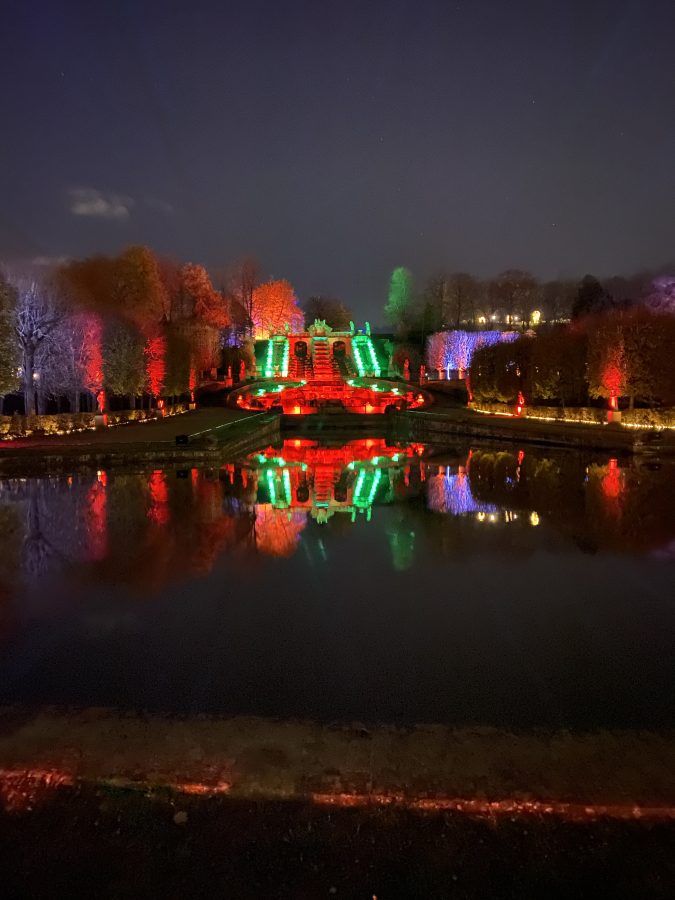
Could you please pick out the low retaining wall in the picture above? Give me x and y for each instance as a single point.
(585, 415)
(64, 423)
(450, 424)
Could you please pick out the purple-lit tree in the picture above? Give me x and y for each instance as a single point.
(454, 350)
(39, 312)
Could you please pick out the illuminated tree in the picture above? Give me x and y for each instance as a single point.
(661, 295)
(274, 307)
(155, 363)
(201, 301)
(399, 302)
(177, 375)
(71, 359)
(454, 350)
(607, 372)
(499, 372)
(138, 292)
(241, 280)
(123, 359)
(9, 348)
(558, 370)
(39, 312)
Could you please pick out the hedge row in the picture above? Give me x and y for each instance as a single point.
(64, 423)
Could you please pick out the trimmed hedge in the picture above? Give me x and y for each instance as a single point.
(65, 423)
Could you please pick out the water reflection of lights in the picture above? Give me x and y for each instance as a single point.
(450, 492)
(534, 518)
(506, 515)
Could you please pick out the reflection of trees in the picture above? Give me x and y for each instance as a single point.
(10, 541)
(606, 505)
(139, 528)
(164, 526)
(278, 531)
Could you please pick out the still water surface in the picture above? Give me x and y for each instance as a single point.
(348, 581)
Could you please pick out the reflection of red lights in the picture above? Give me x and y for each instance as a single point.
(573, 812)
(611, 482)
(23, 789)
(310, 452)
(98, 525)
(159, 498)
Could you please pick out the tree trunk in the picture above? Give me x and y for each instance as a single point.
(132, 402)
(75, 402)
(631, 401)
(28, 383)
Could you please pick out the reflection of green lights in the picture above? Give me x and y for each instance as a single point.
(366, 501)
(272, 487)
(374, 486)
(375, 460)
(287, 487)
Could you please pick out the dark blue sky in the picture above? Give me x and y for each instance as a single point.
(336, 140)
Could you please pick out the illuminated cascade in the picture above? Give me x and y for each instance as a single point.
(276, 358)
(360, 368)
(307, 372)
(321, 359)
(363, 347)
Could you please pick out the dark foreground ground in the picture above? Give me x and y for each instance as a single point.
(101, 842)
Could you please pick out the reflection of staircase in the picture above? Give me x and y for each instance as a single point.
(323, 365)
(323, 485)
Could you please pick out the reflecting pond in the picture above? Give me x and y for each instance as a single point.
(353, 580)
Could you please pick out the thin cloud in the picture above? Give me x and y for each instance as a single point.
(90, 202)
(159, 205)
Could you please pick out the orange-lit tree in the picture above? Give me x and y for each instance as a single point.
(275, 306)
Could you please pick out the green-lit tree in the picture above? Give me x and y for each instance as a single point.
(123, 359)
(399, 302)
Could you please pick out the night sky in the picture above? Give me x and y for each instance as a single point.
(336, 140)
